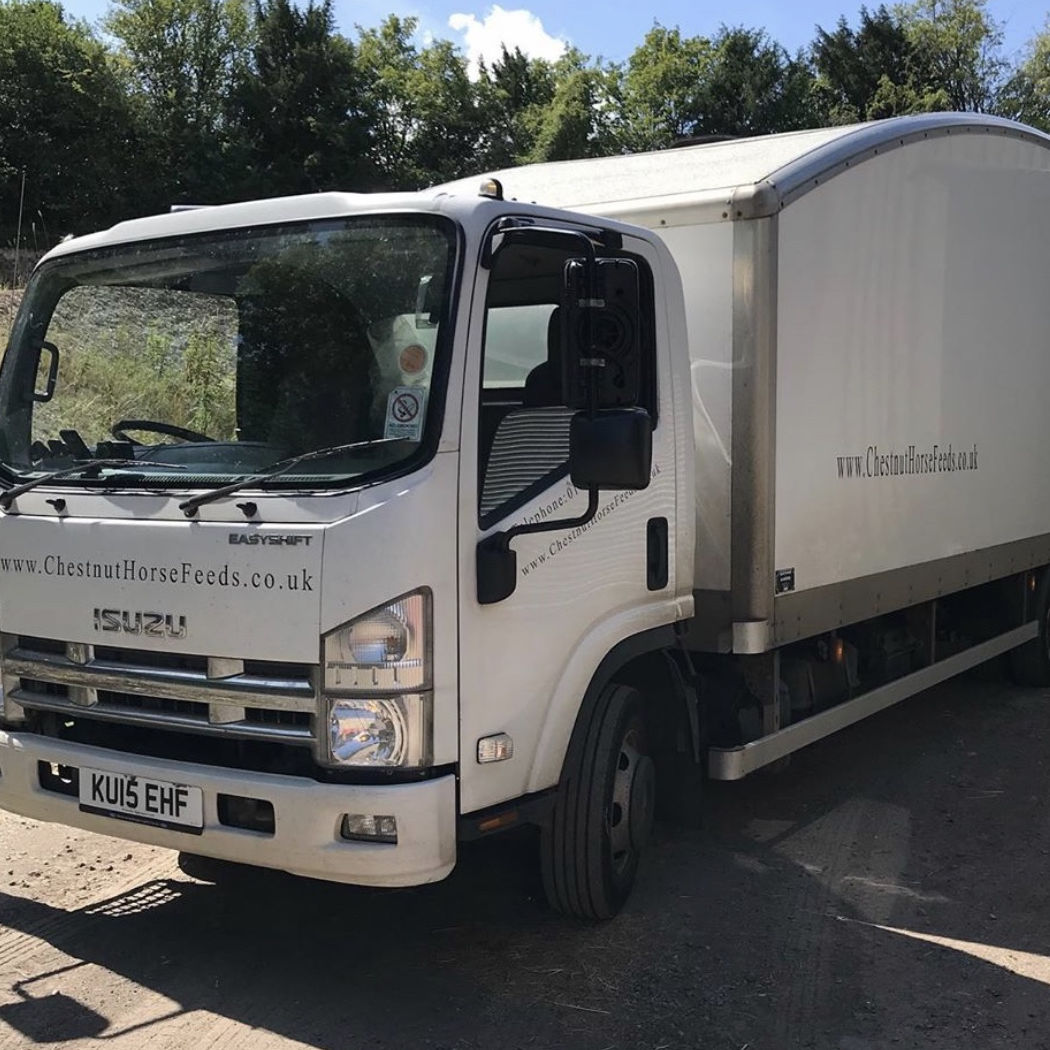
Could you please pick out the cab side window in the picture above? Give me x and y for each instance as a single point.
(524, 423)
(524, 427)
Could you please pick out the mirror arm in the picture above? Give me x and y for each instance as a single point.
(559, 524)
(497, 562)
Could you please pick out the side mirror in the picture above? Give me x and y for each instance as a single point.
(52, 372)
(601, 333)
(612, 449)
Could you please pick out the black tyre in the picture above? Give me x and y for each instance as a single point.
(1030, 663)
(604, 811)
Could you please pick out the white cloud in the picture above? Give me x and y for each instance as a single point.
(520, 28)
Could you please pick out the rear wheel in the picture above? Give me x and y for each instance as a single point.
(604, 811)
(1030, 663)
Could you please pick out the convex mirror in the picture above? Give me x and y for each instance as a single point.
(611, 449)
(601, 333)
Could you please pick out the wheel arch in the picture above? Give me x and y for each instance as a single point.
(651, 662)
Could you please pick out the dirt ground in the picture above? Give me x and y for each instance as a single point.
(889, 890)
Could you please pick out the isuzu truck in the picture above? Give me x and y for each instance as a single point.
(338, 529)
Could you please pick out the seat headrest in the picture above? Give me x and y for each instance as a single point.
(554, 337)
(543, 383)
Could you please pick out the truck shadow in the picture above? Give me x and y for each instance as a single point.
(796, 919)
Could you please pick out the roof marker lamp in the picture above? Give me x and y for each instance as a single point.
(378, 699)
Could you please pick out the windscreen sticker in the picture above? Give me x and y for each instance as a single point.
(404, 412)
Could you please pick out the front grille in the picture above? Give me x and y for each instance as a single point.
(42, 645)
(261, 716)
(255, 755)
(132, 658)
(180, 708)
(253, 700)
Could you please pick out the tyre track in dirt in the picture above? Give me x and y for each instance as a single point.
(794, 921)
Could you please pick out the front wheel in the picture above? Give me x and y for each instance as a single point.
(604, 810)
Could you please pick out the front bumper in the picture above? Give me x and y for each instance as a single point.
(306, 839)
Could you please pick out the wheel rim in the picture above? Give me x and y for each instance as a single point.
(631, 809)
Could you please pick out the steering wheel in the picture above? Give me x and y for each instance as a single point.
(119, 429)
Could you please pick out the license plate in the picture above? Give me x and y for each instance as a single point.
(127, 797)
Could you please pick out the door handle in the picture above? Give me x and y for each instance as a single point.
(656, 568)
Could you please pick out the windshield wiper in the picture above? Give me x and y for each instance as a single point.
(189, 507)
(95, 465)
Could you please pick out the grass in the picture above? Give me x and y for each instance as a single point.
(137, 353)
(9, 300)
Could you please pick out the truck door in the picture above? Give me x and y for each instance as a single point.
(526, 660)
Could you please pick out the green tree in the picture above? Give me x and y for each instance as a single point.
(421, 106)
(753, 87)
(296, 118)
(1026, 95)
(737, 83)
(955, 61)
(919, 57)
(65, 120)
(184, 56)
(512, 96)
(579, 120)
(661, 88)
(856, 69)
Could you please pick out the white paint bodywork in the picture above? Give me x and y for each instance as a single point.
(73, 565)
(579, 592)
(704, 255)
(691, 184)
(914, 310)
(897, 281)
(909, 252)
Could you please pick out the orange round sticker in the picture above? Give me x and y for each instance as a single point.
(413, 359)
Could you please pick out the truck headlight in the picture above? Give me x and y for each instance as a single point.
(377, 687)
(393, 731)
(386, 650)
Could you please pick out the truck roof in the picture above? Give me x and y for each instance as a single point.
(744, 178)
(205, 218)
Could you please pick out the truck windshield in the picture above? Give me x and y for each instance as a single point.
(220, 354)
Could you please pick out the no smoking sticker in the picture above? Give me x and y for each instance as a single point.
(404, 413)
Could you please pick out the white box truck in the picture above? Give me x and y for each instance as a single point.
(338, 529)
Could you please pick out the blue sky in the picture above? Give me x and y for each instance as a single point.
(612, 29)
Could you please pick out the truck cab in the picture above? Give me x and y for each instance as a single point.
(324, 522)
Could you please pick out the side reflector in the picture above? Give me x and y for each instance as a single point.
(504, 820)
(497, 748)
